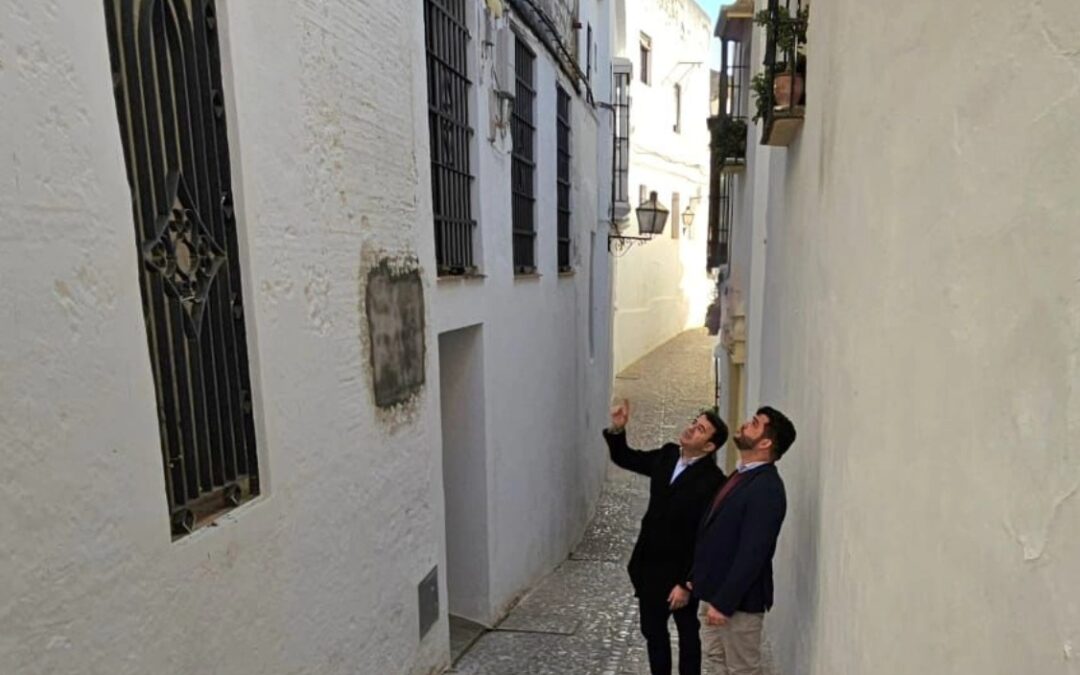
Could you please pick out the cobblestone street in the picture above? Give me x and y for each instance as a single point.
(582, 619)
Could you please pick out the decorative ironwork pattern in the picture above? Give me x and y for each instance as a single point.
(563, 178)
(450, 135)
(167, 83)
(523, 164)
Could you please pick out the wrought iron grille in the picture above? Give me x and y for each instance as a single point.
(720, 230)
(620, 187)
(563, 178)
(450, 135)
(167, 83)
(523, 164)
(784, 64)
(734, 79)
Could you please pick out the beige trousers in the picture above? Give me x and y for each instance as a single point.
(734, 649)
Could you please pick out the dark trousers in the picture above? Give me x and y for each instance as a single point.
(654, 626)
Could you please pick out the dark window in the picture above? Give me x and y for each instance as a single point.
(678, 109)
(725, 208)
(167, 82)
(563, 178)
(621, 129)
(523, 165)
(449, 134)
(646, 59)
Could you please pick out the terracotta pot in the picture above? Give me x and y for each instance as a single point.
(782, 90)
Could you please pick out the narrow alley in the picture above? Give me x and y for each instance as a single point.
(582, 618)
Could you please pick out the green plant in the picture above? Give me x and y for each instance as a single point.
(789, 32)
(761, 85)
(731, 139)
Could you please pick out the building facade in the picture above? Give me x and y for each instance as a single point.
(902, 282)
(532, 312)
(662, 286)
(259, 413)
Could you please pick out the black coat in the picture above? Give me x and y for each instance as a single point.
(664, 552)
(735, 545)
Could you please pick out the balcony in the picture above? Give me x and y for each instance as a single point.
(728, 125)
(780, 88)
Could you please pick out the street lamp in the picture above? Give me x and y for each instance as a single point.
(688, 217)
(651, 216)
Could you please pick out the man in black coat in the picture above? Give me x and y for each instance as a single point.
(683, 478)
(732, 571)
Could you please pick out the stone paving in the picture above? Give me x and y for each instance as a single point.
(582, 619)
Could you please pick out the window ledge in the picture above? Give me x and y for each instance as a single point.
(450, 278)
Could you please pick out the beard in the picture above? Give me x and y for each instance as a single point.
(743, 443)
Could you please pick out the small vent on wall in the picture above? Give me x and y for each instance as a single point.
(428, 600)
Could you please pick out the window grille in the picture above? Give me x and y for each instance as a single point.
(523, 161)
(167, 82)
(450, 134)
(563, 179)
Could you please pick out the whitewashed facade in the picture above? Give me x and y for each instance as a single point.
(662, 286)
(524, 479)
(907, 291)
(358, 423)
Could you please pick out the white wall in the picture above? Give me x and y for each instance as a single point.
(319, 574)
(662, 286)
(547, 398)
(920, 325)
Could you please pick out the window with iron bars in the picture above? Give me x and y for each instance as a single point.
(723, 206)
(523, 162)
(166, 68)
(450, 136)
(563, 178)
(620, 179)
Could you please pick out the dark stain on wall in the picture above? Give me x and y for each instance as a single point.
(395, 312)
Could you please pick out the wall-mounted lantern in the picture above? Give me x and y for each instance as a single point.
(651, 216)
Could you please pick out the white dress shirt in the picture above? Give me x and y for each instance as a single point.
(682, 465)
(743, 468)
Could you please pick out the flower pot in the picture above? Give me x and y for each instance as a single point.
(782, 90)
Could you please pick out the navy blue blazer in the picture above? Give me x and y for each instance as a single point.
(733, 558)
(664, 550)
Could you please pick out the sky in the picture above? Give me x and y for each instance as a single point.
(713, 8)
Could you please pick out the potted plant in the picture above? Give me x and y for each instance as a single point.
(789, 35)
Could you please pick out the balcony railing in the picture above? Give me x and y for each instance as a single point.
(780, 88)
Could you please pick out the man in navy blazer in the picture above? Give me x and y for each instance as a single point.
(732, 573)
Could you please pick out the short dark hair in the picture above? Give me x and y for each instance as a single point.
(779, 430)
(719, 436)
